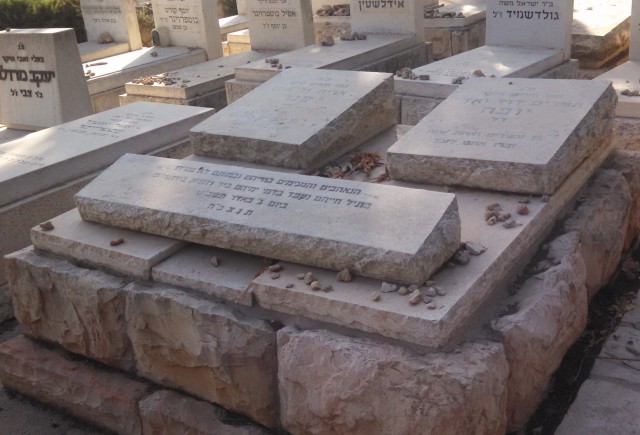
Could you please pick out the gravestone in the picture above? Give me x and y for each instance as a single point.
(634, 34)
(282, 25)
(190, 23)
(115, 17)
(300, 118)
(41, 79)
(388, 16)
(322, 222)
(530, 23)
(515, 135)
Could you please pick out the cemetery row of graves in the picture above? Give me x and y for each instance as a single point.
(342, 236)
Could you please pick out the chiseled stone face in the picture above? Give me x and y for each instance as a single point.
(384, 232)
(204, 348)
(81, 309)
(515, 135)
(116, 17)
(300, 118)
(335, 384)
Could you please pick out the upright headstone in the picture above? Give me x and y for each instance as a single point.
(530, 23)
(281, 25)
(190, 23)
(370, 228)
(300, 118)
(41, 79)
(515, 135)
(115, 17)
(388, 16)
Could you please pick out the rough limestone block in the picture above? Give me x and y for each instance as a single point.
(602, 221)
(409, 233)
(334, 384)
(205, 349)
(106, 399)
(168, 412)
(551, 315)
(80, 309)
(300, 118)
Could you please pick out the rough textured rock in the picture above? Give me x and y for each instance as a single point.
(551, 315)
(6, 309)
(334, 384)
(104, 398)
(81, 309)
(205, 349)
(168, 412)
(602, 221)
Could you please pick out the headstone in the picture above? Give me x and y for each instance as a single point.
(51, 157)
(190, 23)
(634, 34)
(370, 228)
(281, 25)
(115, 17)
(530, 23)
(41, 79)
(516, 135)
(300, 118)
(388, 16)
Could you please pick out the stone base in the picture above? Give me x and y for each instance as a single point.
(108, 399)
(627, 131)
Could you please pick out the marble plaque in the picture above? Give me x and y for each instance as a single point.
(280, 24)
(388, 16)
(516, 135)
(41, 79)
(300, 118)
(59, 154)
(530, 23)
(116, 17)
(191, 23)
(386, 232)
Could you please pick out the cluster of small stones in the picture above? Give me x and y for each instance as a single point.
(435, 13)
(353, 36)
(630, 93)
(275, 63)
(334, 11)
(105, 38)
(477, 73)
(407, 73)
(311, 281)
(494, 214)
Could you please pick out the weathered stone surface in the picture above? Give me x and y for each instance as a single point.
(168, 412)
(81, 309)
(309, 220)
(90, 243)
(301, 118)
(506, 144)
(205, 349)
(335, 384)
(551, 315)
(6, 309)
(105, 398)
(285, 25)
(602, 222)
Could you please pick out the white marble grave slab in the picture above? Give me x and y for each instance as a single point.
(41, 79)
(191, 23)
(516, 135)
(625, 77)
(53, 156)
(90, 243)
(115, 17)
(199, 79)
(280, 25)
(384, 232)
(300, 118)
(530, 23)
(491, 60)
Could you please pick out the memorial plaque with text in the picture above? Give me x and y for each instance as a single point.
(116, 17)
(300, 118)
(191, 23)
(280, 24)
(58, 154)
(384, 232)
(388, 16)
(41, 79)
(516, 135)
(530, 23)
